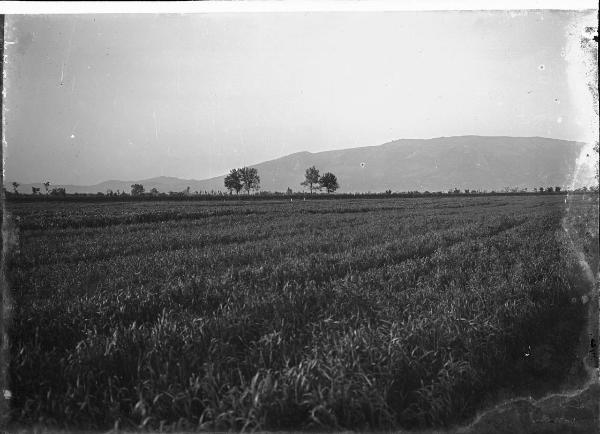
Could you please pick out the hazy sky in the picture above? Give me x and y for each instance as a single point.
(97, 97)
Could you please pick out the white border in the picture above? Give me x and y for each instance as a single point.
(78, 7)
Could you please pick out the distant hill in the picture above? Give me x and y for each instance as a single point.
(161, 183)
(438, 164)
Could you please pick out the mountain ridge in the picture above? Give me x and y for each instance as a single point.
(437, 164)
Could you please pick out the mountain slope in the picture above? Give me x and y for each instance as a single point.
(438, 164)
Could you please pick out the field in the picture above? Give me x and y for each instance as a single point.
(289, 315)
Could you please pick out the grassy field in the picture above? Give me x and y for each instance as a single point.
(288, 315)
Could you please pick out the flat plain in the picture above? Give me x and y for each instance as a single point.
(387, 313)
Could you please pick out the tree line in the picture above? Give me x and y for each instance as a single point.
(220, 195)
(58, 191)
(247, 179)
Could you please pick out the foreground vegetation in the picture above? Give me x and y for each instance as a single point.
(280, 315)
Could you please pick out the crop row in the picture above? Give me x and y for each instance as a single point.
(36, 216)
(392, 316)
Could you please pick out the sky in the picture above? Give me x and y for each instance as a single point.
(96, 97)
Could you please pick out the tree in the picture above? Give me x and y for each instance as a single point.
(35, 190)
(289, 191)
(557, 189)
(15, 187)
(47, 186)
(233, 181)
(250, 179)
(154, 192)
(329, 182)
(137, 189)
(58, 192)
(311, 178)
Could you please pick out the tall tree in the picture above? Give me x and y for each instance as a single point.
(47, 186)
(250, 178)
(15, 187)
(329, 182)
(233, 181)
(311, 178)
(137, 189)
